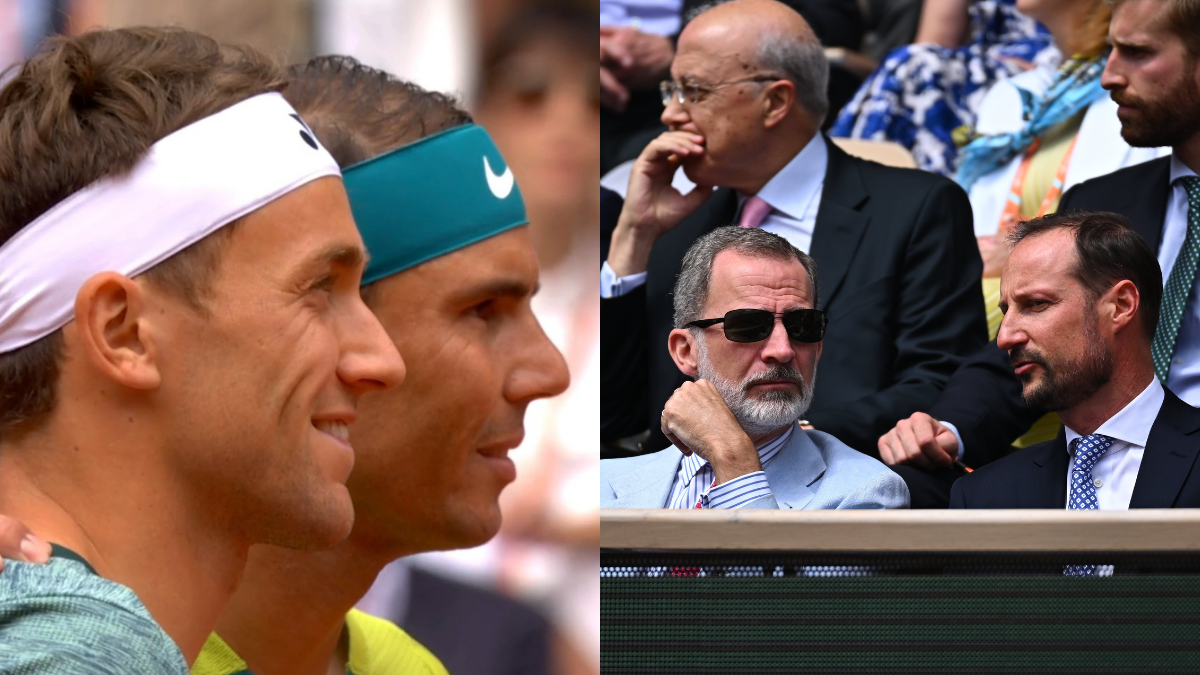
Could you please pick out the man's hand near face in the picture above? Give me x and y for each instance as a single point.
(921, 441)
(638, 60)
(652, 205)
(613, 94)
(696, 419)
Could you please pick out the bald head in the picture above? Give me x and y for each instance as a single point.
(754, 15)
(762, 36)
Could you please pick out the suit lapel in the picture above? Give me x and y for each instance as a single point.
(797, 466)
(648, 485)
(1147, 208)
(724, 209)
(1170, 453)
(1047, 488)
(840, 224)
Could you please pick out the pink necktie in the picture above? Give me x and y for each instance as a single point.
(753, 211)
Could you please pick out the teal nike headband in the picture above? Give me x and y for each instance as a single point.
(429, 198)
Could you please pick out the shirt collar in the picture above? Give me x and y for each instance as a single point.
(1132, 424)
(1178, 169)
(766, 452)
(792, 189)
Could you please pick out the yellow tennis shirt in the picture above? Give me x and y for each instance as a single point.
(377, 647)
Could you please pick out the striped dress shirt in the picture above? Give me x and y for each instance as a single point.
(694, 487)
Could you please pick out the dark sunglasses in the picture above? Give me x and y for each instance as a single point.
(755, 325)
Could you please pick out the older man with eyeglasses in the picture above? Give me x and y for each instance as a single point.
(748, 331)
(895, 246)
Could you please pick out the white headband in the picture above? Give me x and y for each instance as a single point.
(189, 184)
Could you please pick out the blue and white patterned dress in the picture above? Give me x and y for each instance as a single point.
(922, 92)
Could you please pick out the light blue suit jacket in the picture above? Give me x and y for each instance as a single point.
(812, 471)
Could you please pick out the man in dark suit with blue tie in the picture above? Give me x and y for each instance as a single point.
(1153, 73)
(1081, 295)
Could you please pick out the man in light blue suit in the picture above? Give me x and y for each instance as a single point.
(748, 331)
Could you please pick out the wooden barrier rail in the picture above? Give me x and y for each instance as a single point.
(932, 531)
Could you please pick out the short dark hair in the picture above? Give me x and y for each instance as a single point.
(1107, 250)
(358, 112)
(695, 275)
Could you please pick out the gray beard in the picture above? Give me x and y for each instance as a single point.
(767, 412)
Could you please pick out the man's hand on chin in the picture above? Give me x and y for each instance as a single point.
(652, 205)
(696, 419)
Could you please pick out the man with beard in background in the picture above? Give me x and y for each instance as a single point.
(1128, 442)
(736, 424)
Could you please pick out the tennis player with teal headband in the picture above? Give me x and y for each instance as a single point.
(437, 195)
(451, 275)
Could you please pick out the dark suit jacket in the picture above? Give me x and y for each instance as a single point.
(506, 636)
(898, 277)
(983, 399)
(1036, 477)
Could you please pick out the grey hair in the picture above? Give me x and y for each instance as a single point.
(695, 277)
(801, 61)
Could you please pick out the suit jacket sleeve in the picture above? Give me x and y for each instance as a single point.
(983, 401)
(885, 491)
(957, 499)
(624, 381)
(939, 320)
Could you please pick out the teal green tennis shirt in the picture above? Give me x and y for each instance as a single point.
(62, 619)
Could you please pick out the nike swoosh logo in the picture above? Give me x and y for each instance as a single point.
(500, 185)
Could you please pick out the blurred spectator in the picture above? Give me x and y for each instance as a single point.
(637, 44)
(281, 28)
(429, 43)
(25, 23)
(12, 35)
(923, 92)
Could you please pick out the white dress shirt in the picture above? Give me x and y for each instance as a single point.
(794, 195)
(1117, 469)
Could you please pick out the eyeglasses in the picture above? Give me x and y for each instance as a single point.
(690, 92)
(755, 325)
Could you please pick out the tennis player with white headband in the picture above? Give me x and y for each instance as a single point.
(182, 343)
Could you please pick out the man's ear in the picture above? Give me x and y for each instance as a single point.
(1120, 304)
(779, 101)
(110, 324)
(684, 351)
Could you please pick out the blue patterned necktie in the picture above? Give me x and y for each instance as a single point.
(1179, 285)
(1088, 451)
